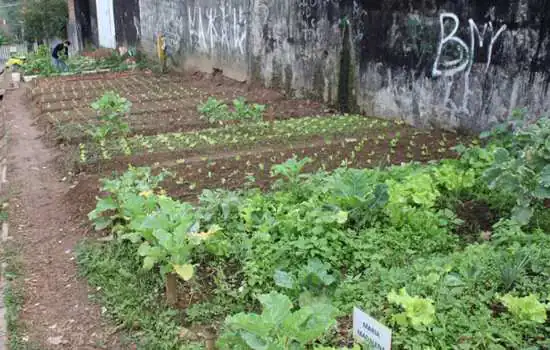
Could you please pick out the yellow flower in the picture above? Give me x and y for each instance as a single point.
(146, 194)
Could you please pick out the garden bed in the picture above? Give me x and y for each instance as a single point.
(316, 215)
(382, 240)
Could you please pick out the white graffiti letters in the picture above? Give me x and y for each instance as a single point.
(463, 54)
(223, 28)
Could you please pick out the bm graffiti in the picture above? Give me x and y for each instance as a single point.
(464, 53)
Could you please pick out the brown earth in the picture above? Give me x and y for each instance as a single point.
(56, 313)
(158, 101)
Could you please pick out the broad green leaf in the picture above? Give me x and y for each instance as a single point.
(133, 237)
(149, 262)
(284, 279)
(144, 248)
(102, 223)
(319, 270)
(294, 323)
(501, 155)
(254, 342)
(522, 214)
(419, 311)
(164, 238)
(165, 269)
(276, 307)
(310, 323)
(251, 323)
(381, 196)
(186, 272)
(107, 203)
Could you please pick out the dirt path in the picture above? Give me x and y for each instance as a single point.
(56, 313)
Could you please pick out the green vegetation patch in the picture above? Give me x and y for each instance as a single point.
(284, 269)
(234, 136)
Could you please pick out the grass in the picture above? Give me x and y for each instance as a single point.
(131, 297)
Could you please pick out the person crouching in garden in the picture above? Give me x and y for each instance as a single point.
(59, 53)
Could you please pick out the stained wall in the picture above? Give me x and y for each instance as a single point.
(459, 64)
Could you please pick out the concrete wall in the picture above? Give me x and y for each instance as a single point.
(201, 34)
(460, 64)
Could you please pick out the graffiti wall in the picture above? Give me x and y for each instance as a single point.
(459, 64)
(204, 34)
(454, 63)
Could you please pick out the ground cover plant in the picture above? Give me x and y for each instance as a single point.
(217, 111)
(344, 139)
(449, 254)
(110, 109)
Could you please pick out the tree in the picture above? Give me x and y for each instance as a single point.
(44, 19)
(11, 12)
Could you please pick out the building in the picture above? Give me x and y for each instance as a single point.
(103, 23)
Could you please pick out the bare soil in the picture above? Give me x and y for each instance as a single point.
(56, 313)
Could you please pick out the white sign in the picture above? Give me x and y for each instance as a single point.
(368, 330)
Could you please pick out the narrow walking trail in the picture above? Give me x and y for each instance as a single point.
(57, 313)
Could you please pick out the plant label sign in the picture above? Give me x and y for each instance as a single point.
(367, 329)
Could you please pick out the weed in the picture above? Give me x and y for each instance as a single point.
(14, 298)
(131, 296)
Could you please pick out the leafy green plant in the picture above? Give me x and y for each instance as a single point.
(312, 282)
(218, 204)
(278, 326)
(166, 229)
(291, 170)
(522, 168)
(359, 193)
(244, 111)
(111, 108)
(217, 111)
(374, 230)
(169, 233)
(39, 63)
(525, 309)
(417, 311)
(454, 179)
(127, 196)
(214, 110)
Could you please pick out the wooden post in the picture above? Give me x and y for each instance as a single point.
(171, 289)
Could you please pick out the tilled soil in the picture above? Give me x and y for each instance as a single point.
(56, 313)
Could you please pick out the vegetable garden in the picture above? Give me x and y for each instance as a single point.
(238, 218)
